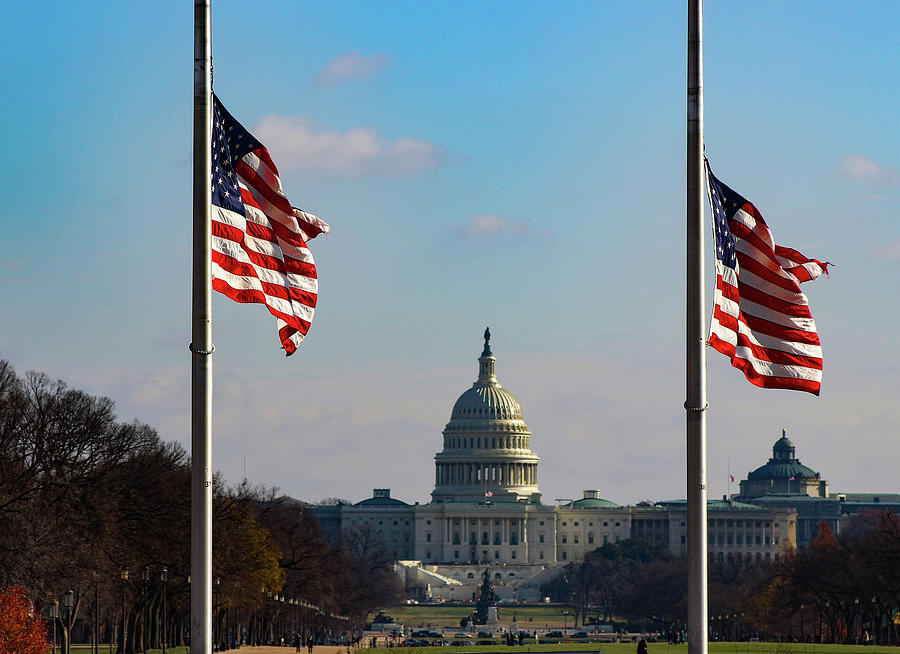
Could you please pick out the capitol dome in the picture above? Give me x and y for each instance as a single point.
(487, 454)
(486, 402)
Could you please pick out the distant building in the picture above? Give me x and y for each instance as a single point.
(486, 508)
(784, 482)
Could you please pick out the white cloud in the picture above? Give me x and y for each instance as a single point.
(295, 144)
(863, 169)
(351, 66)
(889, 251)
(490, 225)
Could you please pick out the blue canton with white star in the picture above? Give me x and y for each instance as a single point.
(230, 142)
(725, 203)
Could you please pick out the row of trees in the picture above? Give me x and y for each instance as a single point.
(102, 508)
(843, 589)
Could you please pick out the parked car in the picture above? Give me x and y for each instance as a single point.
(461, 635)
(579, 635)
(485, 634)
(485, 642)
(554, 634)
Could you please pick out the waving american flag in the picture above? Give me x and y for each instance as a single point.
(259, 250)
(761, 318)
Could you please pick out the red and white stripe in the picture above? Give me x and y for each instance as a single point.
(761, 318)
(264, 258)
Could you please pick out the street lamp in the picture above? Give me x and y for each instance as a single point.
(145, 575)
(124, 577)
(54, 613)
(216, 613)
(69, 602)
(875, 627)
(164, 577)
(565, 622)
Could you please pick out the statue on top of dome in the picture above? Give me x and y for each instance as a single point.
(487, 343)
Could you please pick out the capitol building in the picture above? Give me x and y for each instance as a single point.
(486, 508)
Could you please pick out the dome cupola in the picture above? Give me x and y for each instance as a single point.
(783, 474)
(487, 454)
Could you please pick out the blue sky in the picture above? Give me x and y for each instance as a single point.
(518, 165)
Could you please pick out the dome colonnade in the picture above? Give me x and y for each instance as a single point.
(487, 445)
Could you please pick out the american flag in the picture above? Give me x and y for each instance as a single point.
(259, 251)
(761, 318)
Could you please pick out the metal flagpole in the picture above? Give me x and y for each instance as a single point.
(201, 343)
(695, 404)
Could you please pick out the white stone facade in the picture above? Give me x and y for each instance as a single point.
(486, 510)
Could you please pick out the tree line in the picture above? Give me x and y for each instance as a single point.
(843, 589)
(101, 508)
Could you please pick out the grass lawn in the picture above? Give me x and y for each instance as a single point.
(104, 649)
(653, 648)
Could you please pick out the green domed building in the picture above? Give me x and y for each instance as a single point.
(783, 475)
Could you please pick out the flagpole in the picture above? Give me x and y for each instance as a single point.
(695, 404)
(201, 343)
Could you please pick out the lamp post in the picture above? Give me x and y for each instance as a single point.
(54, 613)
(565, 622)
(164, 577)
(875, 627)
(69, 602)
(145, 575)
(218, 582)
(95, 623)
(124, 577)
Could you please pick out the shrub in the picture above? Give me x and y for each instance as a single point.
(22, 631)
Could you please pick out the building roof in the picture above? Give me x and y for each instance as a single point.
(381, 497)
(715, 505)
(592, 499)
(783, 464)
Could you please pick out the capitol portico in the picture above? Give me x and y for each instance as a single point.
(486, 508)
